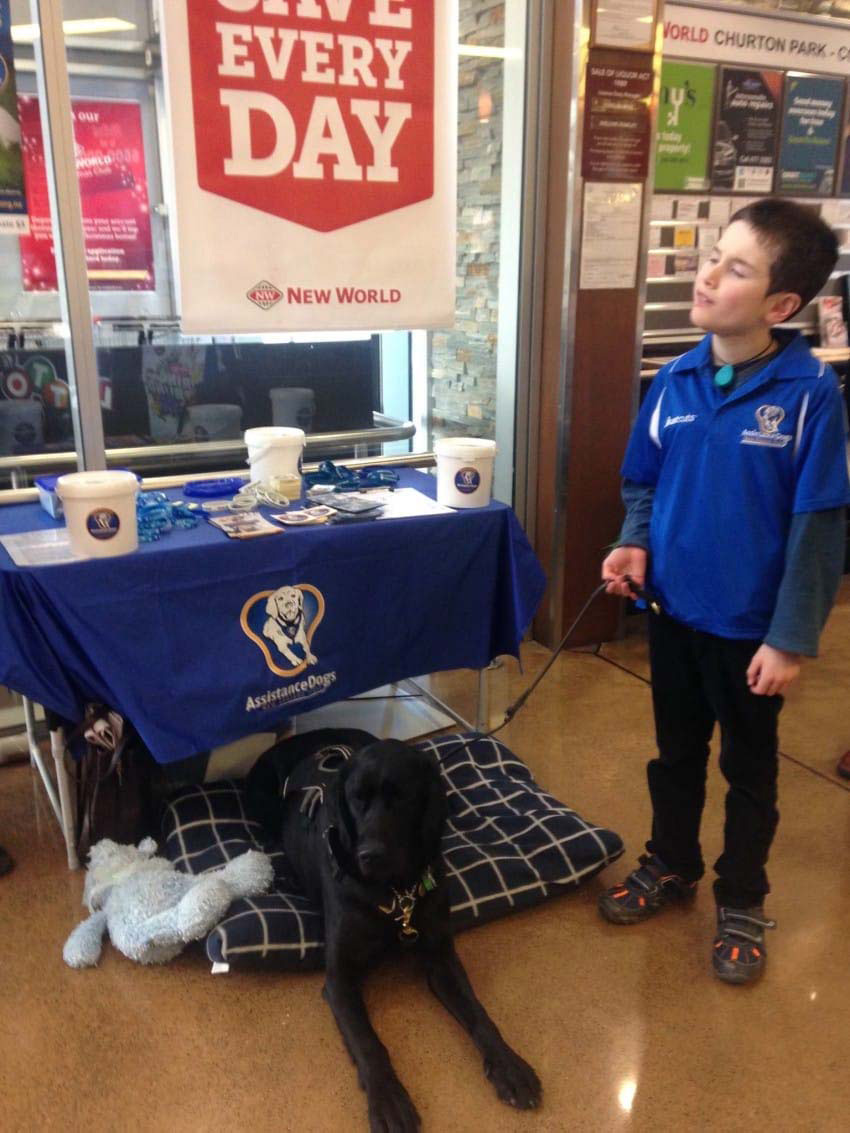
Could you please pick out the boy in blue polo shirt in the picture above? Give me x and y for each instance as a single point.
(735, 485)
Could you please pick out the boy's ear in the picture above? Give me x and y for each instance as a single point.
(782, 305)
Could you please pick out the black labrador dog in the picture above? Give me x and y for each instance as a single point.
(361, 822)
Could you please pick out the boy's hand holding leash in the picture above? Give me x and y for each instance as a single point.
(624, 564)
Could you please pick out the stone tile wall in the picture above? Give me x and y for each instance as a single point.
(463, 359)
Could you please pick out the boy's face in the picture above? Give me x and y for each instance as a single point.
(731, 289)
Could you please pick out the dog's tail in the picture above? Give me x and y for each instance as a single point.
(83, 947)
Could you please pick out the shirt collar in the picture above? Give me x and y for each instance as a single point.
(797, 360)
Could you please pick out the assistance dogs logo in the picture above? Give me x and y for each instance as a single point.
(282, 623)
(768, 419)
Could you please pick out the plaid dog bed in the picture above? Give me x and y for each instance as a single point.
(508, 845)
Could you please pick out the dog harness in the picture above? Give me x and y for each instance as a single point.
(328, 762)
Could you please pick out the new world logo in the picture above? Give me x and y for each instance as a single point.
(265, 294)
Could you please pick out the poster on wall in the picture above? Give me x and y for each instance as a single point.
(811, 131)
(113, 197)
(624, 23)
(844, 172)
(171, 376)
(616, 139)
(610, 236)
(746, 130)
(315, 154)
(685, 109)
(13, 204)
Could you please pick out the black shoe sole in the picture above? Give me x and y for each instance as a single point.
(615, 913)
(733, 974)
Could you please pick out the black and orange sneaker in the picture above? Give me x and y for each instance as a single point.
(645, 892)
(739, 954)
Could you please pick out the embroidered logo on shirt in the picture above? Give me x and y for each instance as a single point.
(684, 419)
(768, 419)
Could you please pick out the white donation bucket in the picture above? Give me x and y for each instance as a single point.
(274, 451)
(293, 406)
(464, 471)
(100, 512)
(213, 423)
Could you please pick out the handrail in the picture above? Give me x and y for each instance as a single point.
(385, 429)
(404, 459)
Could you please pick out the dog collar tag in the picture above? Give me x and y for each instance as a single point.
(724, 376)
(428, 882)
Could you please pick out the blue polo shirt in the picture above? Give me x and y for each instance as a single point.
(729, 471)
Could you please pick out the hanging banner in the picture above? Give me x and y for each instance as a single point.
(110, 163)
(13, 205)
(685, 109)
(315, 152)
(811, 129)
(746, 130)
(760, 39)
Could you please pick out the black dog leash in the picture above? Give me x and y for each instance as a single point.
(639, 592)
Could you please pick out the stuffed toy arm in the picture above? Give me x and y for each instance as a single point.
(83, 947)
(207, 902)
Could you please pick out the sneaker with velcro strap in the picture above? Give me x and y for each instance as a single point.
(739, 954)
(646, 891)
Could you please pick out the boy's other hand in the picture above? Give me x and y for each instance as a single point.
(624, 561)
(771, 671)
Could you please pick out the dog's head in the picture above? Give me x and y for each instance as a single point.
(391, 809)
(286, 604)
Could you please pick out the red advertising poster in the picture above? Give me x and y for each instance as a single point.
(113, 196)
(320, 120)
(318, 141)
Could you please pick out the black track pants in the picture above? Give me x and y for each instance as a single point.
(699, 680)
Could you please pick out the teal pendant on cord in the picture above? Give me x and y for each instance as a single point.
(724, 376)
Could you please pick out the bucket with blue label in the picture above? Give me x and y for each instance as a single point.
(464, 471)
(100, 512)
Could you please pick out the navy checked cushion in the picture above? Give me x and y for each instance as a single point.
(508, 845)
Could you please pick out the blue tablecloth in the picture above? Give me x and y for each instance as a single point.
(189, 638)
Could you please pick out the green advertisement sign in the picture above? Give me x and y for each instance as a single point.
(684, 127)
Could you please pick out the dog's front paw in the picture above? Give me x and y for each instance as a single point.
(390, 1108)
(515, 1081)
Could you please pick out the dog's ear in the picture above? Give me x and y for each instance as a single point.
(434, 813)
(271, 606)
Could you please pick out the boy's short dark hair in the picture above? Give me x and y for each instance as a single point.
(803, 248)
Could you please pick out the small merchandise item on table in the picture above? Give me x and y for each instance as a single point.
(156, 515)
(338, 478)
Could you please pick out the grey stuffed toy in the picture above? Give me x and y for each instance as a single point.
(150, 909)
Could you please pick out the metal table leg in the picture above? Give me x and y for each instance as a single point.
(67, 798)
(482, 712)
(62, 801)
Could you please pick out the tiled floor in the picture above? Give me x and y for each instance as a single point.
(626, 1026)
